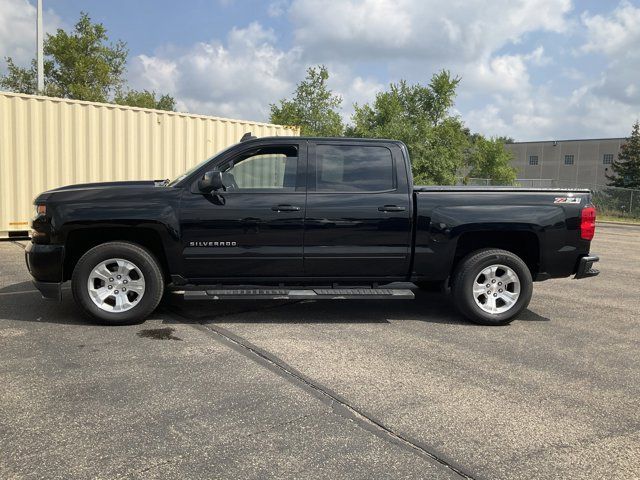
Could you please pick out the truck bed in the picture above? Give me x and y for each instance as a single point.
(469, 188)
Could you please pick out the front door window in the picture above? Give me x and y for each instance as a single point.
(271, 169)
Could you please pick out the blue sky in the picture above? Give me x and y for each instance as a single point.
(530, 69)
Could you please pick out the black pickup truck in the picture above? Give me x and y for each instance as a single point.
(305, 218)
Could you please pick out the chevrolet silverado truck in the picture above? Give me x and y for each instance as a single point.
(305, 218)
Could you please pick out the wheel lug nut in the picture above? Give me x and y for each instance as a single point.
(116, 292)
(110, 287)
(493, 281)
(119, 276)
(495, 294)
(111, 279)
(125, 282)
(500, 290)
(124, 289)
(488, 285)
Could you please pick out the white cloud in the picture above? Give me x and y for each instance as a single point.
(617, 37)
(352, 88)
(347, 29)
(18, 30)
(419, 29)
(415, 38)
(277, 8)
(542, 114)
(500, 73)
(613, 34)
(238, 78)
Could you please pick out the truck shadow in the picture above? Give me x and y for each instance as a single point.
(427, 307)
(22, 303)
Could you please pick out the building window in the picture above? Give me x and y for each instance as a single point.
(607, 158)
(568, 159)
(533, 160)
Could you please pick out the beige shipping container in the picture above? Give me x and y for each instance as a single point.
(50, 142)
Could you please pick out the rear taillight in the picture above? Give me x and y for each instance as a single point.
(588, 222)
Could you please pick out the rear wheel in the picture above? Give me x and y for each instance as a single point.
(117, 283)
(492, 286)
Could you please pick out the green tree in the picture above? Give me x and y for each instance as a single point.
(626, 168)
(145, 99)
(419, 116)
(489, 159)
(313, 108)
(82, 65)
(18, 79)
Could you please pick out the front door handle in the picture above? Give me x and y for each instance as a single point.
(285, 208)
(391, 208)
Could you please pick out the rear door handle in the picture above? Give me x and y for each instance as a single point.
(391, 208)
(285, 208)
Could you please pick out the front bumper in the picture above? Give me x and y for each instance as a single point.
(49, 290)
(585, 267)
(45, 263)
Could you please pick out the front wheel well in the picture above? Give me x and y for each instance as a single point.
(80, 241)
(523, 244)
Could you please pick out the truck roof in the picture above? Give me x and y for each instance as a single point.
(331, 139)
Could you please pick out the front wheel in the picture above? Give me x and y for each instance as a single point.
(492, 286)
(117, 283)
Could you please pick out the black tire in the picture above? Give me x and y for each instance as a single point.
(143, 260)
(465, 276)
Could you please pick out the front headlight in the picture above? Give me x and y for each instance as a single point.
(41, 225)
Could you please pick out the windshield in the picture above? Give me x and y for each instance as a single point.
(196, 167)
(188, 172)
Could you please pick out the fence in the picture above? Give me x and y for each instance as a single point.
(49, 142)
(612, 201)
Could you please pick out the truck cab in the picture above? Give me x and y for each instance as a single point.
(308, 209)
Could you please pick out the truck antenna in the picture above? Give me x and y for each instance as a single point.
(247, 136)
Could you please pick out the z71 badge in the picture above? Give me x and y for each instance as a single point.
(567, 200)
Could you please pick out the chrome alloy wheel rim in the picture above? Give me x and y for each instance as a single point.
(116, 285)
(496, 289)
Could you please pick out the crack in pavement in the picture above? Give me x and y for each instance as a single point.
(339, 404)
(64, 289)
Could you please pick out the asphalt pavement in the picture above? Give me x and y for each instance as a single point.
(329, 389)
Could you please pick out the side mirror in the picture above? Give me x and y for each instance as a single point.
(211, 181)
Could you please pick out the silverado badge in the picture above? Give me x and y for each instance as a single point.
(212, 244)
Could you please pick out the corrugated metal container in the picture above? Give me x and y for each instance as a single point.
(49, 142)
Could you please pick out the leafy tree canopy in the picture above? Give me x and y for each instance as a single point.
(626, 168)
(145, 99)
(419, 116)
(489, 159)
(313, 108)
(82, 65)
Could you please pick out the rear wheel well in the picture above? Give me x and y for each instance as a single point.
(524, 244)
(80, 241)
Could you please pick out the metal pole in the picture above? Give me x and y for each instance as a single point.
(39, 46)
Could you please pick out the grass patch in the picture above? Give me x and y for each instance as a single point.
(613, 218)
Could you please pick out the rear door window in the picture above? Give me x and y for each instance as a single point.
(354, 168)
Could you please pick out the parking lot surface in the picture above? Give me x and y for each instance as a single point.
(357, 389)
